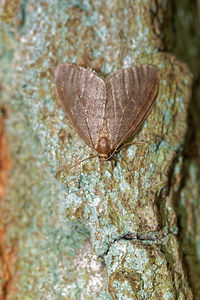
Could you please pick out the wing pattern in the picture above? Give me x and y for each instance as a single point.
(118, 105)
(82, 94)
(130, 95)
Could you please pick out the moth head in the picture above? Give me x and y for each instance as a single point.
(103, 157)
(103, 147)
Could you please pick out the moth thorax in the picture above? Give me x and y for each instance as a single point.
(103, 147)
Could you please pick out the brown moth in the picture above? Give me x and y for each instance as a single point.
(106, 112)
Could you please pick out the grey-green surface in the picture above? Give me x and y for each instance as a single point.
(114, 202)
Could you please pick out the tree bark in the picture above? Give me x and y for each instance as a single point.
(93, 231)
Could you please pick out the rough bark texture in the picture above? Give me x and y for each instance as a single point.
(185, 17)
(121, 237)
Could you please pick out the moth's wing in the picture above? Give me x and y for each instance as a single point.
(83, 96)
(130, 96)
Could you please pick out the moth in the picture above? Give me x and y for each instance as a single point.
(106, 111)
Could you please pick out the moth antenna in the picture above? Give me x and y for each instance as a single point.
(134, 142)
(130, 143)
(80, 161)
(111, 155)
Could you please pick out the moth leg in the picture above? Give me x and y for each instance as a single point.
(115, 158)
(80, 161)
(125, 165)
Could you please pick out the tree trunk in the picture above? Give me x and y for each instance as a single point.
(95, 231)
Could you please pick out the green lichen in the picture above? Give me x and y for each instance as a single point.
(110, 201)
